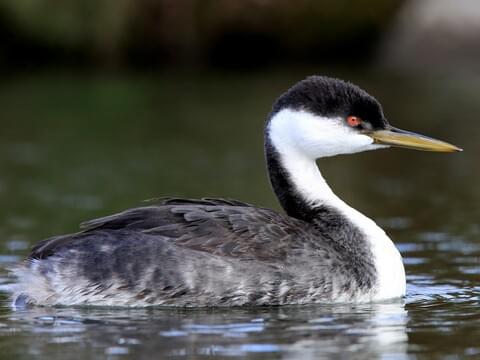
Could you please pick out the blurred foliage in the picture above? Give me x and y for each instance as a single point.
(146, 32)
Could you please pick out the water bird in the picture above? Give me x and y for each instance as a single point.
(218, 252)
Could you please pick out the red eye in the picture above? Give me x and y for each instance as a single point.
(353, 121)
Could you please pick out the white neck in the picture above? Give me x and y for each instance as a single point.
(310, 184)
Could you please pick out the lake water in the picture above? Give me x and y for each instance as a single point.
(74, 147)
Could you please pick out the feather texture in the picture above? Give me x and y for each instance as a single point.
(205, 252)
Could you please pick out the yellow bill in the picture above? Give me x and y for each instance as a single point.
(410, 140)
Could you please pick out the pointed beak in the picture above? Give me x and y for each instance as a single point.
(406, 139)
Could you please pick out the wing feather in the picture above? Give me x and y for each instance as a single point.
(217, 226)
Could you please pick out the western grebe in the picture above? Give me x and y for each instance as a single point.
(215, 252)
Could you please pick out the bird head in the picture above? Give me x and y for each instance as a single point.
(322, 116)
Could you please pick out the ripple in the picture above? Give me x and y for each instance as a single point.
(414, 260)
(224, 328)
(17, 245)
(173, 333)
(409, 247)
(9, 259)
(117, 350)
(239, 350)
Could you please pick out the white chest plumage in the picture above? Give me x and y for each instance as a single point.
(391, 281)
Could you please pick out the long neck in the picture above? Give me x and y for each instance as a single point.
(304, 194)
(298, 183)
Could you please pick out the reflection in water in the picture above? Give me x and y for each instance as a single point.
(366, 331)
(300, 332)
(61, 170)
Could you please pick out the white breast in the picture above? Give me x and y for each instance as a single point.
(388, 261)
(390, 269)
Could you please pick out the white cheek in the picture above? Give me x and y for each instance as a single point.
(333, 140)
(316, 136)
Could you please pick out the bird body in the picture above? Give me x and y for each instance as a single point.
(215, 252)
(208, 252)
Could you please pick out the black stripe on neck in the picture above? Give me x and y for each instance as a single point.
(295, 204)
(331, 224)
(290, 199)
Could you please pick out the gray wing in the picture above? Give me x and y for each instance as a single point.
(216, 226)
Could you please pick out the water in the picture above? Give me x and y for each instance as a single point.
(73, 147)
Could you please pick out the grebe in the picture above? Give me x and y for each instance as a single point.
(216, 252)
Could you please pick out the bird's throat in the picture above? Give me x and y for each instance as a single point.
(298, 183)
